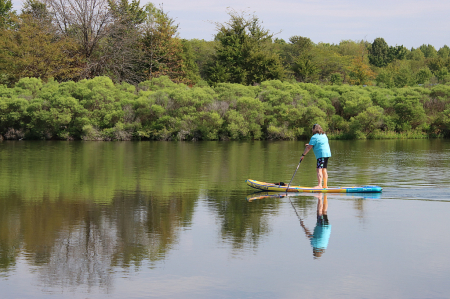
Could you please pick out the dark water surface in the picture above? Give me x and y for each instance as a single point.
(176, 220)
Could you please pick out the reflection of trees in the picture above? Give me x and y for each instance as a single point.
(304, 204)
(9, 231)
(358, 204)
(242, 223)
(80, 242)
(150, 229)
(95, 171)
(81, 254)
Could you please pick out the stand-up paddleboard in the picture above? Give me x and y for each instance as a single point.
(282, 188)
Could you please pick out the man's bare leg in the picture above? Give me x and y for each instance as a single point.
(319, 204)
(319, 178)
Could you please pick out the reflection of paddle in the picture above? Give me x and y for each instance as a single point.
(301, 221)
(301, 159)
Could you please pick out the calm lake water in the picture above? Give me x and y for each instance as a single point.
(176, 220)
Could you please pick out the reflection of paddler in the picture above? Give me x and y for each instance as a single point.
(321, 235)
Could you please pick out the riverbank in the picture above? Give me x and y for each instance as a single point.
(98, 109)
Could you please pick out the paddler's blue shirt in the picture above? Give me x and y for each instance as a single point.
(320, 145)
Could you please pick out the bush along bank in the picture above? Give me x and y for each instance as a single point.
(98, 109)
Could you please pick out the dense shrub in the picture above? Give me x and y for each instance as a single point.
(98, 109)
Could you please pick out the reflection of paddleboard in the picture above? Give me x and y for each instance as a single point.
(280, 188)
(264, 195)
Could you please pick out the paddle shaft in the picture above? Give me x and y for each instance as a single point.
(301, 159)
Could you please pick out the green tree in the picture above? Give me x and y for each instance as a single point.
(442, 75)
(353, 103)
(162, 48)
(352, 48)
(444, 52)
(304, 67)
(330, 62)
(38, 11)
(127, 12)
(297, 46)
(436, 64)
(5, 10)
(429, 51)
(359, 72)
(190, 67)
(379, 53)
(410, 111)
(203, 52)
(415, 54)
(336, 79)
(301, 44)
(403, 78)
(32, 50)
(368, 121)
(299, 57)
(423, 75)
(384, 78)
(121, 55)
(243, 52)
(397, 52)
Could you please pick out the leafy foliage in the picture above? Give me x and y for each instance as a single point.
(380, 54)
(159, 109)
(5, 13)
(131, 43)
(162, 50)
(113, 70)
(242, 53)
(32, 50)
(359, 72)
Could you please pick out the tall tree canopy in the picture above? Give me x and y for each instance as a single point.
(32, 49)
(444, 52)
(243, 52)
(120, 55)
(379, 53)
(163, 50)
(5, 10)
(86, 20)
(429, 51)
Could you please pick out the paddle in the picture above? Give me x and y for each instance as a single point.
(301, 159)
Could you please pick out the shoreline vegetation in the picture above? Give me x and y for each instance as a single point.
(117, 70)
(159, 109)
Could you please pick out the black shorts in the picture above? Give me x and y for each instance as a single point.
(322, 220)
(322, 162)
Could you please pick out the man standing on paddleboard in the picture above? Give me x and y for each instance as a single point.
(319, 143)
